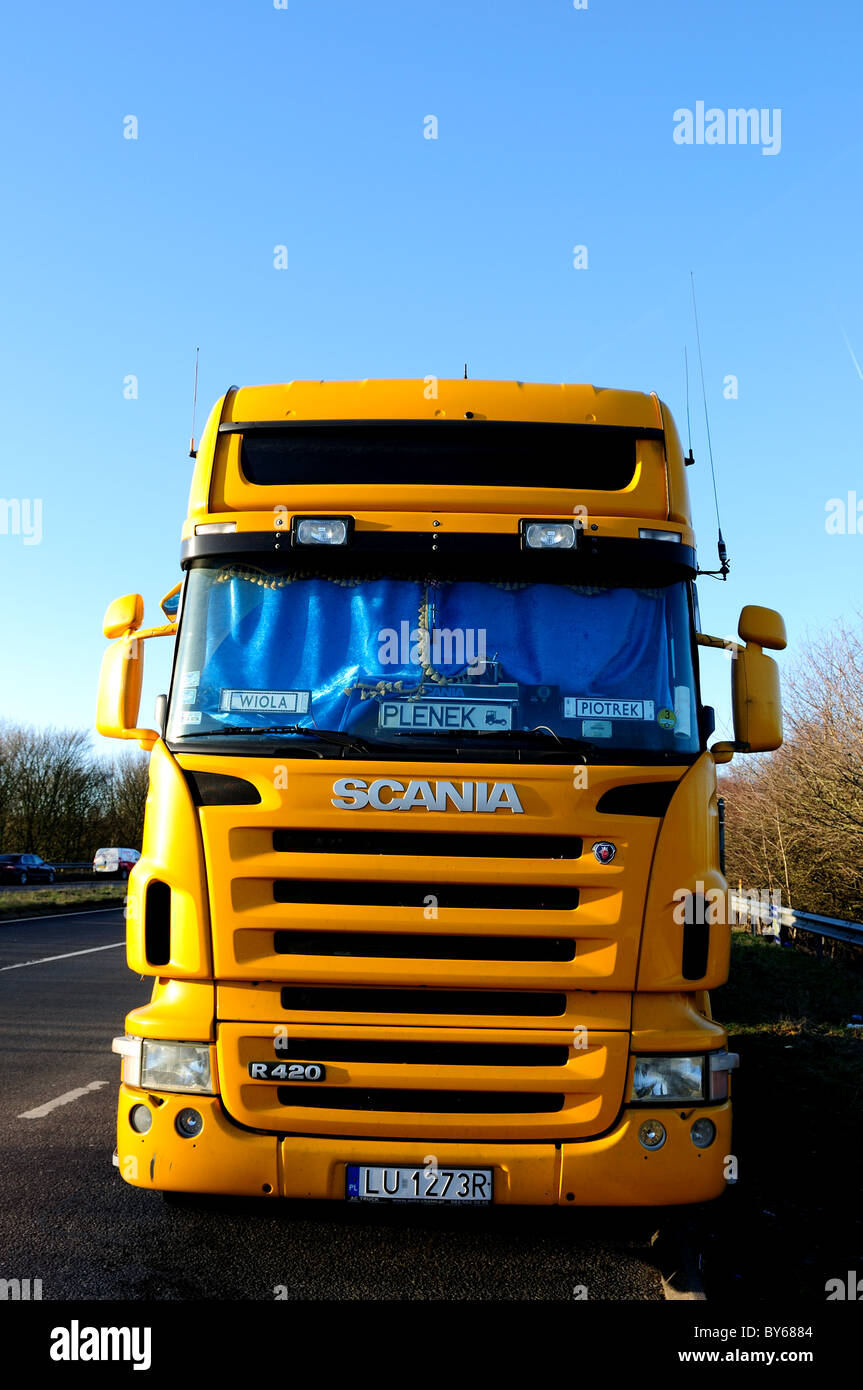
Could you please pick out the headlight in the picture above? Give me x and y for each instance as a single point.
(668, 1078)
(165, 1066)
(172, 1066)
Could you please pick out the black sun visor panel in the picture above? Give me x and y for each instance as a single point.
(451, 453)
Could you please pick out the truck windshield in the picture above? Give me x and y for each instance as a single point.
(403, 661)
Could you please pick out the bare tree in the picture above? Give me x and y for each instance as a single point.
(60, 800)
(126, 795)
(795, 817)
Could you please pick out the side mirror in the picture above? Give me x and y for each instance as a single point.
(755, 700)
(762, 626)
(120, 681)
(123, 616)
(122, 673)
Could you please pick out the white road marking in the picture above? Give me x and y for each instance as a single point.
(41, 1111)
(44, 960)
(47, 916)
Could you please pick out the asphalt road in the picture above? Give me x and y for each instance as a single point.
(67, 1218)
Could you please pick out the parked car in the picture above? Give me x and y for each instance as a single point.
(115, 861)
(25, 868)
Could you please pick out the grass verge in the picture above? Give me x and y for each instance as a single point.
(75, 898)
(793, 1220)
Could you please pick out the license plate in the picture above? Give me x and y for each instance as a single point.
(370, 1184)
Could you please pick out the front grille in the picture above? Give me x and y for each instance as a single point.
(401, 946)
(525, 1079)
(418, 843)
(421, 1102)
(403, 1052)
(390, 902)
(498, 1002)
(539, 897)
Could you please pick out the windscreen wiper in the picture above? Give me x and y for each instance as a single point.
(324, 735)
(539, 735)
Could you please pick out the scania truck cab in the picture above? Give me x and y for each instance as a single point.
(432, 814)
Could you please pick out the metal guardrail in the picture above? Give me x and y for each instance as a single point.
(75, 871)
(833, 928)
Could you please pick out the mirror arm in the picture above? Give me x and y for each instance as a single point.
(168, 630)
(145, 737)
(725, 644)
(724, 752)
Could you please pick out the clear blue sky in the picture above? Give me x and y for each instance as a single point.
(409, 256)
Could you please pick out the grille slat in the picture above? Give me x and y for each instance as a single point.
(419, 843)
(491, 1003)
(405, 1052)
(421, 1102)
(503, 897)
(400, 946)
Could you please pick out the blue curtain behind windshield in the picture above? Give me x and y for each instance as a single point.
(324, 636)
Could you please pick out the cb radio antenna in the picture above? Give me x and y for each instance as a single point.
(724, 563)
(193, 453)
(690, 457)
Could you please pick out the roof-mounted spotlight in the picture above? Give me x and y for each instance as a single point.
(549, 535)
(321, 530)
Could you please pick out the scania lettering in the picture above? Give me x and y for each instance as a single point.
(431, 780)
(353, 795)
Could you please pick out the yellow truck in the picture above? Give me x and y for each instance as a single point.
(432, 818)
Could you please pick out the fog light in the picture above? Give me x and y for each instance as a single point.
(140, 1118)
(189, 1123)
(703, 1133)
(652, 1134)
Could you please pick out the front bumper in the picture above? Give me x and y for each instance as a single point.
(611, 1170)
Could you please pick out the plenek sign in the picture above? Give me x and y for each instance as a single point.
(443, 714)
